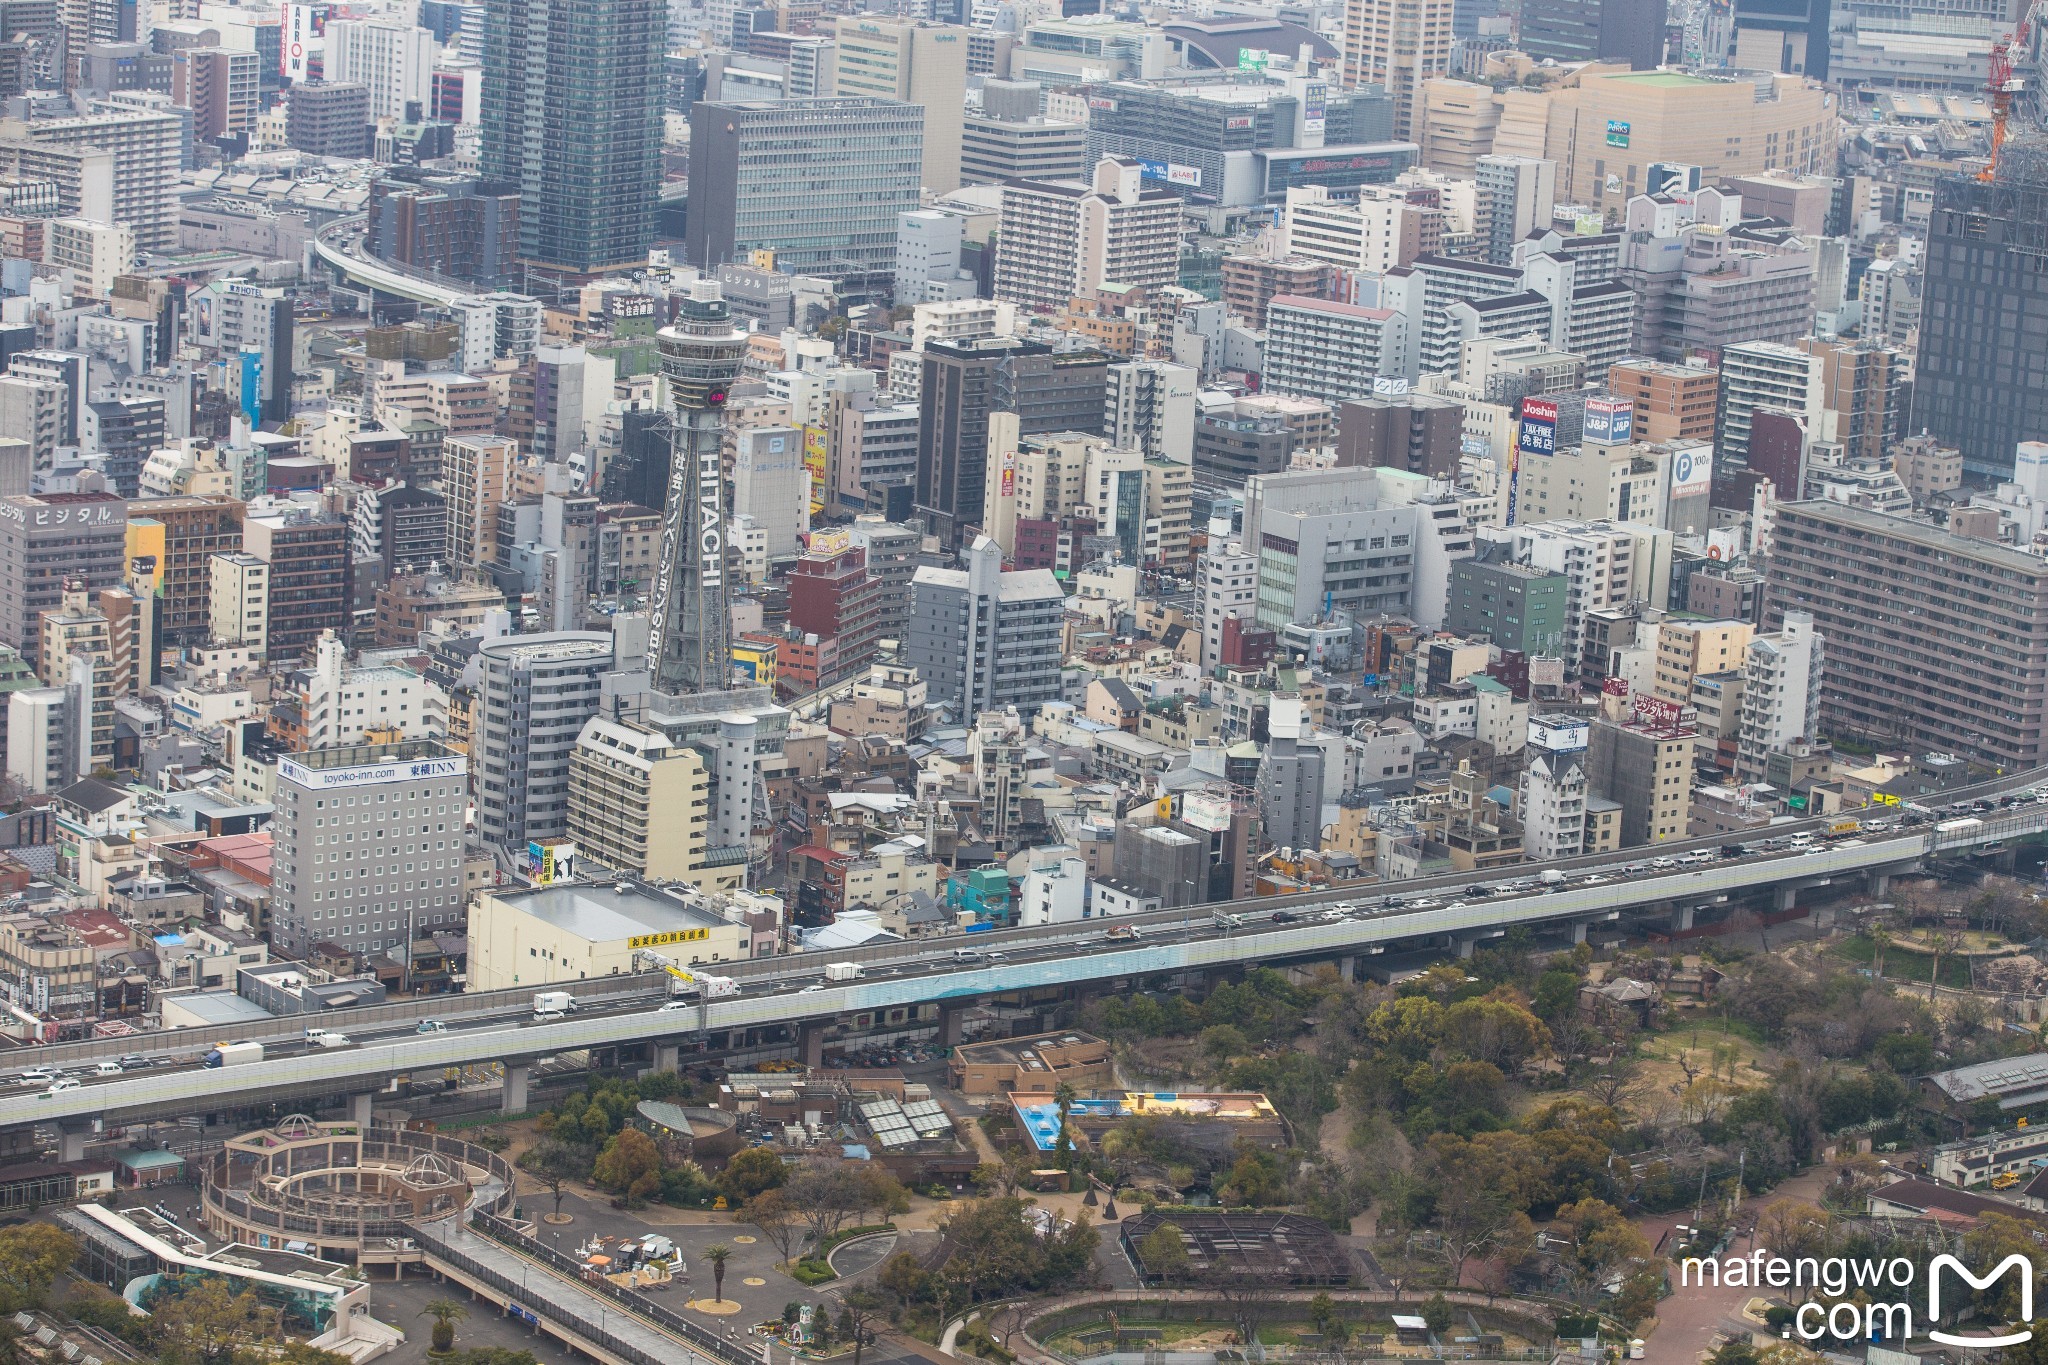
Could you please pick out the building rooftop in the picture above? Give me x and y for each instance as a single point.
(601, 912)
(223, 1008)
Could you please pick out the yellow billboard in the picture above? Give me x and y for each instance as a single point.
(814, 465)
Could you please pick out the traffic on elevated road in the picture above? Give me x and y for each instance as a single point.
(665, 1002)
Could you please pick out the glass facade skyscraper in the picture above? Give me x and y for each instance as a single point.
(1980, 380)
(572, 115)
(816, 182)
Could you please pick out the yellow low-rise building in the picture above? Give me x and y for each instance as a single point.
(575, 931)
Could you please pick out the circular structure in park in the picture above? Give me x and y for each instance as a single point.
(692, 1132)
(341, 1191)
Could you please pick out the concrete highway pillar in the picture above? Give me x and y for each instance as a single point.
(1877, 883)
(666, 1057)
(1465, 947)
(71, 1142)
(1681, 918)
(1347, 968)
(952, 1024)
(810, 1044)
(1785, 897)
(361, 1109)
(516, 1076)
(1578, 932)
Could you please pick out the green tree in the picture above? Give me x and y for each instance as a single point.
(554, 1163)
(445, 1313)
(1164, 1252)
(629, 1166)
(206, 1323)
(903, 1277)
(752, 1171)
(718, 1254)
(1436, 1312)
(32, 1255)
(859, 1310)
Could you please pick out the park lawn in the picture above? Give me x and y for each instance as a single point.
(1751, 1063)
(1902, 963)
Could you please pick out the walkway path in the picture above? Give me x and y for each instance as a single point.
(553, 1298)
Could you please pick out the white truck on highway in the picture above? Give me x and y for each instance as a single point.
(234, 1054)
(322, 1037)
(553, 1004)
(842, 971)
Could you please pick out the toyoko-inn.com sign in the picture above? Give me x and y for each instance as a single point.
(370, 774)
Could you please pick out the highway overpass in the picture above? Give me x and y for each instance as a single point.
(338, 246)
(789, 990)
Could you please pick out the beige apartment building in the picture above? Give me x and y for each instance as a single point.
(1687, 650)
(1397, 44)
(639, 804)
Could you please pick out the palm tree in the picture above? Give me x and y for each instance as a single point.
(1064, 1096)
(445, 1313)
(718, 1255)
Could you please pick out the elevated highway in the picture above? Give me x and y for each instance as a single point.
(1337, 924)
(338, 246)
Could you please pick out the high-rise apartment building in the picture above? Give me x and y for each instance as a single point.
(572, 115)
(1378, 231)
(85, 22)
(1418, 432)
(1397, 45)
(329, 118)
(476, 480)
(368, 846)
(640, 803)
(1935, 641)
(1065, 239)
(537, 694)
(956, 396)
(818, 182)
(1516, 195)
(1849, 393)
(118, 166)
(917, 63)
(1782, 674)
(1974, 387)
(1319, 348)
(95, 253)
(689, 619)
(77, 652)
(1150, 407)
(238, 600)
(182, 535)
(984, 638)
(1639, 753)
(219, 86)
(390, 58)
(307, 551)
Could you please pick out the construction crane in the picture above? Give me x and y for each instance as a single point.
(2003, 85)
(709, 985)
